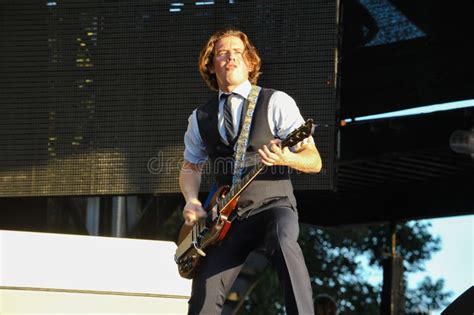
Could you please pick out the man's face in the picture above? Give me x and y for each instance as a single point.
(229, 63)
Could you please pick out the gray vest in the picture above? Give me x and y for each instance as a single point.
(273, 186)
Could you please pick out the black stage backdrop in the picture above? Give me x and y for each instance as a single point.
(95, 95)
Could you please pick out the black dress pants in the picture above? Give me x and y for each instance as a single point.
(275, 230)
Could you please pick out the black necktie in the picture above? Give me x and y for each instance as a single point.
(228, 123)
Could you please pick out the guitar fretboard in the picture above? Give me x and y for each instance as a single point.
(239, 187)
(292, 139)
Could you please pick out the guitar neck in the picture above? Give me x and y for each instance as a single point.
(236, 190)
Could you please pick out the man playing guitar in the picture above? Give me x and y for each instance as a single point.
(265, 214)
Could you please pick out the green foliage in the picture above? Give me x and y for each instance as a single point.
(266, 298)
(432, 297)
(334, 256)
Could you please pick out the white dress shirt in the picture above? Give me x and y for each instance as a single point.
(283, 117)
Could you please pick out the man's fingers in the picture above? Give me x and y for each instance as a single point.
(273, 152)
(275, 141)
(189, 217)
(192, 213)
(265, 156)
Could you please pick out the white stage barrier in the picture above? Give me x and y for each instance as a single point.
(42, 273)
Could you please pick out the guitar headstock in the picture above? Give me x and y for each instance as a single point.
(297, 135)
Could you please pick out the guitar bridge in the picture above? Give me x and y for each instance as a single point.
(199, 250)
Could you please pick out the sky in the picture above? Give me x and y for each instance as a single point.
(455, 261)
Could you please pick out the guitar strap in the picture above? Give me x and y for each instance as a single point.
(242, 141)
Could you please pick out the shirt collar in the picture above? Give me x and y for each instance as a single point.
(243, 90)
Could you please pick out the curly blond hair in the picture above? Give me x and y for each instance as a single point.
(207, 55)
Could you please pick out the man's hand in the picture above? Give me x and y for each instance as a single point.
(306, 158)
(193, 211)
(272, 154)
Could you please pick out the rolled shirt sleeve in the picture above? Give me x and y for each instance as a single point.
(194, 151)
(284, 114)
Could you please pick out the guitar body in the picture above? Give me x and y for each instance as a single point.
(192, 240)
(183, 232)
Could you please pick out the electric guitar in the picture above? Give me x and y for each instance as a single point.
(192, 240)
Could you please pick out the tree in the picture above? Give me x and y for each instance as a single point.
(333, 257)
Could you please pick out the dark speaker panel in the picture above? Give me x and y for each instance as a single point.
(96, 94)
